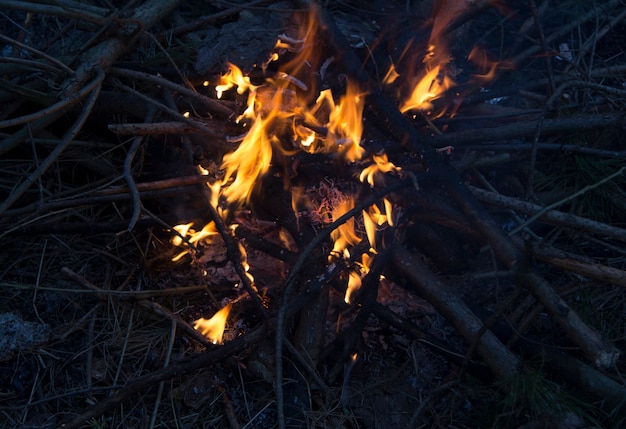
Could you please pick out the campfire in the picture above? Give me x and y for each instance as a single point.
(325, 202)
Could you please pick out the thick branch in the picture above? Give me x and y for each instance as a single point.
(571, 124)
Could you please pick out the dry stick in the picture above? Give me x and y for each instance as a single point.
(149, 305)
(212, 105)
(105, 53)
(597, 35)
(202, 21)
(567, 199)
(100, 56)
(128, 174)
(31, 65)
(195, 124)
(387, 114)
(159, 128)
(116, 193)
(94, 87)
(62, 106)
(64, 8)
(521, 33)
(213, 354)
(550, 216)
(610, 394)
(557, 147)
(544, 44)
(580, 265)
(603, 9)
(43, 55)
(234, 253)
(170, 60)
(307, 365)
(447, 302)
(571, 124)
(440, 347)
(294, 274)
(550, 103)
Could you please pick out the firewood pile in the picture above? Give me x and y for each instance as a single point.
(312, 214)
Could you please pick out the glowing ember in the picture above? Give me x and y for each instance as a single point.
(213, 328)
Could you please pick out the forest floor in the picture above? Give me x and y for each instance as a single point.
(324, 215)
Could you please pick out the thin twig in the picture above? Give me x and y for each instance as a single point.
(550, 216)
(43, 55)
(168, 355)
(62, 106)
(204, 20)
(567, 199)
(542, 40)
(128, 173)
(196, 124)
(94, 87)
(214, 106)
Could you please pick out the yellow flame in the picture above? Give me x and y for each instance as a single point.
(182, 230)
(354, 284)
(355, 277)
(429, 88)
(345, 123)
(234, 77)
(213, 328)
(370, 228)
(246, 266)
(192, 236)
(391, 76)
(208, 230)
(251, 160)
(381, 165)
(389, 211)
(345, 235)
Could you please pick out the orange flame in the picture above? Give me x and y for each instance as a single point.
(213, 328)
(345, 124)
(246, 266)
(289, 101)
(435, 76)
(251, 159)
